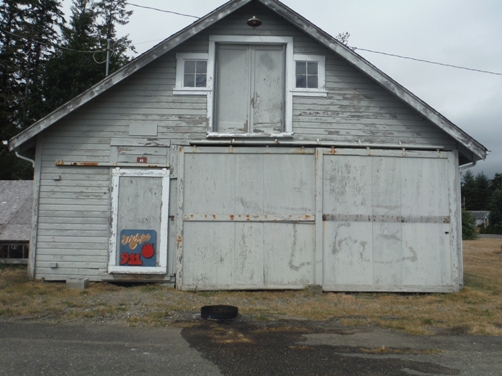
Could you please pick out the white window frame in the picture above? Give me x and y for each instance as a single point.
(161, 268)
(320, 91)
(180, 73)
(290, 84)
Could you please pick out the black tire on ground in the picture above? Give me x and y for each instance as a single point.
(219, 312)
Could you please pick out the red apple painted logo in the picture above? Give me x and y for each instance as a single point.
(147, 251)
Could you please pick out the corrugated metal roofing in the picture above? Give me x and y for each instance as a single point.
(16, 201)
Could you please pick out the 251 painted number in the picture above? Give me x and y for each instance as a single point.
(130, 259)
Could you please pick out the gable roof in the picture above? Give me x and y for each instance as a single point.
(478, 150)
(16, 201)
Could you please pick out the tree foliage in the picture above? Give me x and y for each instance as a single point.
(495, 218)
(468, 226)
(27, 32)
(45, 63)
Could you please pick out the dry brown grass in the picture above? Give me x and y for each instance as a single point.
(477, 309)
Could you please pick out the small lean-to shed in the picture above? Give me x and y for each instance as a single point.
(16, 202)
(244, 154)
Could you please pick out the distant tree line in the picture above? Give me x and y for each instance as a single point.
(481, 193)
(46, 61)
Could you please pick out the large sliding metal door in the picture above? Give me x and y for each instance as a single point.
(346, 219)
(247, 219)
(387, 221)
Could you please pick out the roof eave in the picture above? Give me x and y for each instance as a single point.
(369, 69)
(116, 77)
(296, 19)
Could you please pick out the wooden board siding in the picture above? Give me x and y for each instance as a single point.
(356, 108)
(74, 211)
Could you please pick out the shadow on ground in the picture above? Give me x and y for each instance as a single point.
(251, 348)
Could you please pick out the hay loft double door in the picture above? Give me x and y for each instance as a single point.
(349, 220)
(250, 88)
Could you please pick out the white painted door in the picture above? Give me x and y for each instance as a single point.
(250, 88)
(139, 226)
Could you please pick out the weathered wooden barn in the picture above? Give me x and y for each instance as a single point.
(251, 150)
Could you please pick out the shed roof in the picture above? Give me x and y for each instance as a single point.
(478, 151)
(16, 199)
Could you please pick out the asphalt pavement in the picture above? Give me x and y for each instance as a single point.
(241, 347)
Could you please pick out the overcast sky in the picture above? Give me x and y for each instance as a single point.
(458, 32)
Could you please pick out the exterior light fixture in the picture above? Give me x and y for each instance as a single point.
(254, 22)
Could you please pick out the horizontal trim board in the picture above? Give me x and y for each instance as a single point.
(247, 150)
(140, 142)
(384, 218)
(248, 218)
(242, 287)
(390, 288)
(61, 163)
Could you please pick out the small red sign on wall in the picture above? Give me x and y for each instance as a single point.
(141, 159)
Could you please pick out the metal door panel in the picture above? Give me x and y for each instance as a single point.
(251, 216)
(426, 256)
(249, 254)
(289, 184)
(387, 236)
(289, 256)
(391, 211)
(214, 190)
(348, 254)
(208, 262)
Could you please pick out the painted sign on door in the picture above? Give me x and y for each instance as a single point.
(139, 228)
(138, 247)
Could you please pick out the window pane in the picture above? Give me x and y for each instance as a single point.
(189, 66)
(301, 67)
(312, 68)
(189, 80)
(301, 81)
(200, 80)
(201, 66)
(312, 82)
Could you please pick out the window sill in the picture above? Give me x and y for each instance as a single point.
(191, 91)
(310, 93)
(249, 135)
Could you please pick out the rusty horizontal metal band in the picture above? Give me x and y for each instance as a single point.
(384, 218)
(248, 218)
(106, 164)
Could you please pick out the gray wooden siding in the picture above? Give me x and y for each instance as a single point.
(356, 108)
(74, 211)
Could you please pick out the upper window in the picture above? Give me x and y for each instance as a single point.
(310, 75)
(195, 73)
(191, 73)
(307, 75)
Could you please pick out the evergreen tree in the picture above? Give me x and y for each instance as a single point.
(468, 226)
(495, 217)
(468, 189)
(496, 182)
(113, 13)
(12, 45)
(72, 68)
(482, 192)
(43, 16)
